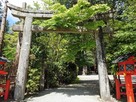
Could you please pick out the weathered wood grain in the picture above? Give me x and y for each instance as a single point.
(34, 15)
(23, 60)
(18, 28)
(10, 6)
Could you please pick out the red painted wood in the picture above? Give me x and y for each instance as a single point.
(129, 89)
(128, 80)
(7, 90)
(1, 62)
(118, 94)
(5, 86)
(3, 72)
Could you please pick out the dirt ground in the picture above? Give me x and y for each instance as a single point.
(87, 90)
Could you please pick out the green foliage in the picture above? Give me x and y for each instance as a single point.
(10, 42)
(56, 46)
(70, 18)
(48, 2)
(34, 71)
(70, 76)
(58, 8)
(57, 50)
(124, 39)
(63, 50)
(94, 25)
(33, 82)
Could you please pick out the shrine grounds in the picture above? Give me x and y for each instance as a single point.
(86, 90)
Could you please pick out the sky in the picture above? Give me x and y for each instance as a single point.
(12, 19)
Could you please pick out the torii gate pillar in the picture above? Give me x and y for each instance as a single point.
(23, 60)
(28, 15)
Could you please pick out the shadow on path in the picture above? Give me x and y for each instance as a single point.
(82, 88)
(87, 90)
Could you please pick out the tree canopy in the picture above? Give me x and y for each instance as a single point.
(72, 18)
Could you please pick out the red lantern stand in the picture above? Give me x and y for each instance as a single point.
(5, 86)
(126, 68)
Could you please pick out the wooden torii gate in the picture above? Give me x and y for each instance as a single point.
(27, 29)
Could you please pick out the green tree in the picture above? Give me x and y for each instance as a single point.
(123, 41)
(10, 46)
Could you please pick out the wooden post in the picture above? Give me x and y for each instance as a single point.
(7, 90)
(19, 42)
(102, 68)
(3, 24)
(117, 85)
(23, 60)
(129, 88)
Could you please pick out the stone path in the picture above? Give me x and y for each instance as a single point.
(87, 90)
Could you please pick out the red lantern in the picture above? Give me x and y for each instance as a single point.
(126, 68)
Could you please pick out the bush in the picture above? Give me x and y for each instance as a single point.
(70, 74)
(33, 80)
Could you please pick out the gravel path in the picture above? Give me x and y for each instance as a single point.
(87, 90)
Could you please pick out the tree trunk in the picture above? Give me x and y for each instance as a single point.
(3, 25)
(42, 79)
(23, 60)
(102, 68)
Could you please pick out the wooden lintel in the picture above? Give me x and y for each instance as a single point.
(13, 7)
(18, 28)
(23, 15)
